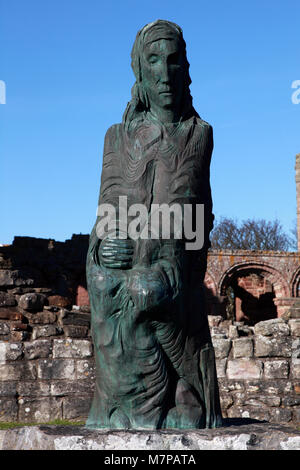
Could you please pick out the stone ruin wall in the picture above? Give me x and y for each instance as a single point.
(46, 352)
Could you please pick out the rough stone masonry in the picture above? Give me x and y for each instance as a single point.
(46, 352)
(47, 365)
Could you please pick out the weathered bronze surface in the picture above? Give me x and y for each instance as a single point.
(155, 365)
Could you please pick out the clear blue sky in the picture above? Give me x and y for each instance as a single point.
(66, 65)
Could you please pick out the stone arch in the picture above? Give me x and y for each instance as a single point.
(257, 289)
(296, 283)
(211, 295)
(210, 283)
(275, 277)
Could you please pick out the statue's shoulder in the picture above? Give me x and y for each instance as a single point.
(201, 139)
(113, 131)
(113, 138)
(202, 126)
(203, 133)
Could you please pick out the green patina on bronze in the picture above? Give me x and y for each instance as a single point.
(155, 364)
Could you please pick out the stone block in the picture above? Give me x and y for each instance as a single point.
(244, 369)
(32, 301)
(228, 386)
(295, 368)
(8, 389)
(280, 415)
(18, 336)
(17, 371)
(275, 326)
(39, 348)
(56, 369)
(296, 348)
(239, 397)
(16, 278)
(218, 332)
(214, 320)
(19, 326)
(294, 311)
(242, 347)
(7, 299)
(8, 409)
(45, 317)
(59, 301)
(51, 308)
(296, 387)
(270, 400)
(76, 409)
(7, 277)
(10, 351)
(221, 346)
(10, 313)
(85, 369)
(233, 332)
(66, 317)
(4, 329)
(46, 331)
(252, 412)
(21, 290)
(226, 401)
(72, 348)
(295, 327)
(276, 369)
(264, 346)
(296, 415)
(85, 308)
(40, 410)
(73, 331)
(221, 368)
(273, 346)
(261, 400)
(72, 388)
(254, 387)
(270, 387)
(291, 401)
(244, 330)
(33, 388)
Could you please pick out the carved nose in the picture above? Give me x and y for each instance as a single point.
(165, 74)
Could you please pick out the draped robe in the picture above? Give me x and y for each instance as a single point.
(155, 365)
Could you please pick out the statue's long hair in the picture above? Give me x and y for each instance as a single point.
(139, 104)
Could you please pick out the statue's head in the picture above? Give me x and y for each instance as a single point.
(161, 70)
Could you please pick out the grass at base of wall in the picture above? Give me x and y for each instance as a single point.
(56, 422)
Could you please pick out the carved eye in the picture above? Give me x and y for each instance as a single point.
(153, 59)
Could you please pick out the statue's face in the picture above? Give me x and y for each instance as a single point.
(163, 70)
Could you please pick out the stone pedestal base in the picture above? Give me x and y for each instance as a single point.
(235, 435)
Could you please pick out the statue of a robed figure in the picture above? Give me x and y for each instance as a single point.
(155, 364)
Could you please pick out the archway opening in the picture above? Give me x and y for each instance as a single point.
(250, 295)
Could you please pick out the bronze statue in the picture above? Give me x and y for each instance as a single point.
(155, 365)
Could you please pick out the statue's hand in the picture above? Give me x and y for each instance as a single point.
(116, 253)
